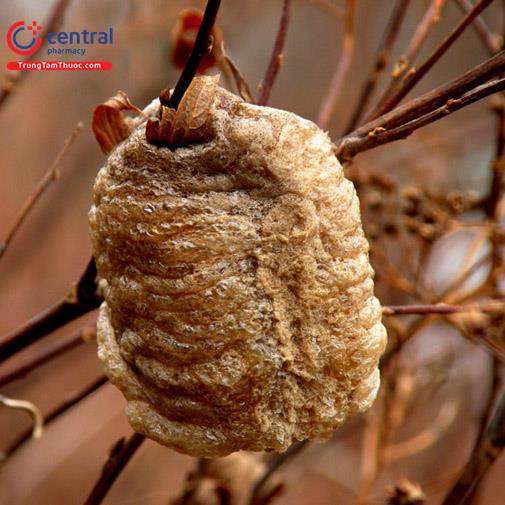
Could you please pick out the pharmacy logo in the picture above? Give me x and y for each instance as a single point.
(23, 39)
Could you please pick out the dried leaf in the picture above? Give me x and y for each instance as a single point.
(183, 40)
(109, 125)
(242, 87)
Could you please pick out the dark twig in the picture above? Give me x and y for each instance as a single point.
(345, 60)
(277, 57)
(69, 402)
(200, 49)
(430, 18)
(381, 61)
(491, 40)
(273, 466)
(50, 176)
(53, 23)
(119, 457)
(47, 354)
(81, 300)
(483, 456)
(425, 109)
(413, 76)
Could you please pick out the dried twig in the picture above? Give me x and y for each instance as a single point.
(265, 88)
(413, 76)
(200, 49)
(329, 101)
(483, 456)
(242, 86)
(442, 308)
(119, 457)
(491, 40)
(81, 300)
(404, 120)
(381, 61)
(31, 408)
(50, 176)
(54, 22)
(431, 17)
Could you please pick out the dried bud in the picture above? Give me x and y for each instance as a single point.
(239, 306)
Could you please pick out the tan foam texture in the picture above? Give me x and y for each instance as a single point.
(239, 306)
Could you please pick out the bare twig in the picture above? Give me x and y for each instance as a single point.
(491, 40)
(242, 87)
(81, 300)
(381, 61)
(442, 308)
(402, 121)
(483, 456)
(200, 49)
(50, 176)
(413, 76)
(67, 404)
(54, 22)
(265, 88)
(119, 457)
(329, 101)
(31, 408)
(47, 354)
(431, 17)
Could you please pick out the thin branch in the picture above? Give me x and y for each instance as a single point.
(381, 61)
(200, 49)
(483, 456)
(47, 354)
(491, 40)
(413, 76)
(49, 177)
(81, 300)
(29, 407)
(273, 466)
(431, 17)
(425, 109)
(120, 455)
(335, 88)
(54, 22)
(240, 82)
(69, 402)
(442, 308)
(277, 57)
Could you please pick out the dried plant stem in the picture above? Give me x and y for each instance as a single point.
(54, 22)
(120, 455)
(483, 456)
(265, 88)
(381, 61)
(46, 354)
(67, 404)
(442, 308)
(49, 177)
(491, 40)
(472, 86)
(200, 49)
(31, 409)
(431, 17)
(81, 300)
(414, 75)
(345, 60)
(240, 82)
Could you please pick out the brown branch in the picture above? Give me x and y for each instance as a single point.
(49, 177)
(54, 22)
(483, 456)
(119, 457)
(265, 88)
(200, 49)
(413, 76)
(47, 354)
(335, 88)
(381, 61)
(491, 40)
(430, 18)
(69, 402)
(442, 308)
(425, 109)
(82, 299)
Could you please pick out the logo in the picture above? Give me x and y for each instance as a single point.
(19, 35)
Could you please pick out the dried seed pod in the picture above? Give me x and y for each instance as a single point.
(239, 306)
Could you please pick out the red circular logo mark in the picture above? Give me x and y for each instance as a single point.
(14, 38)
